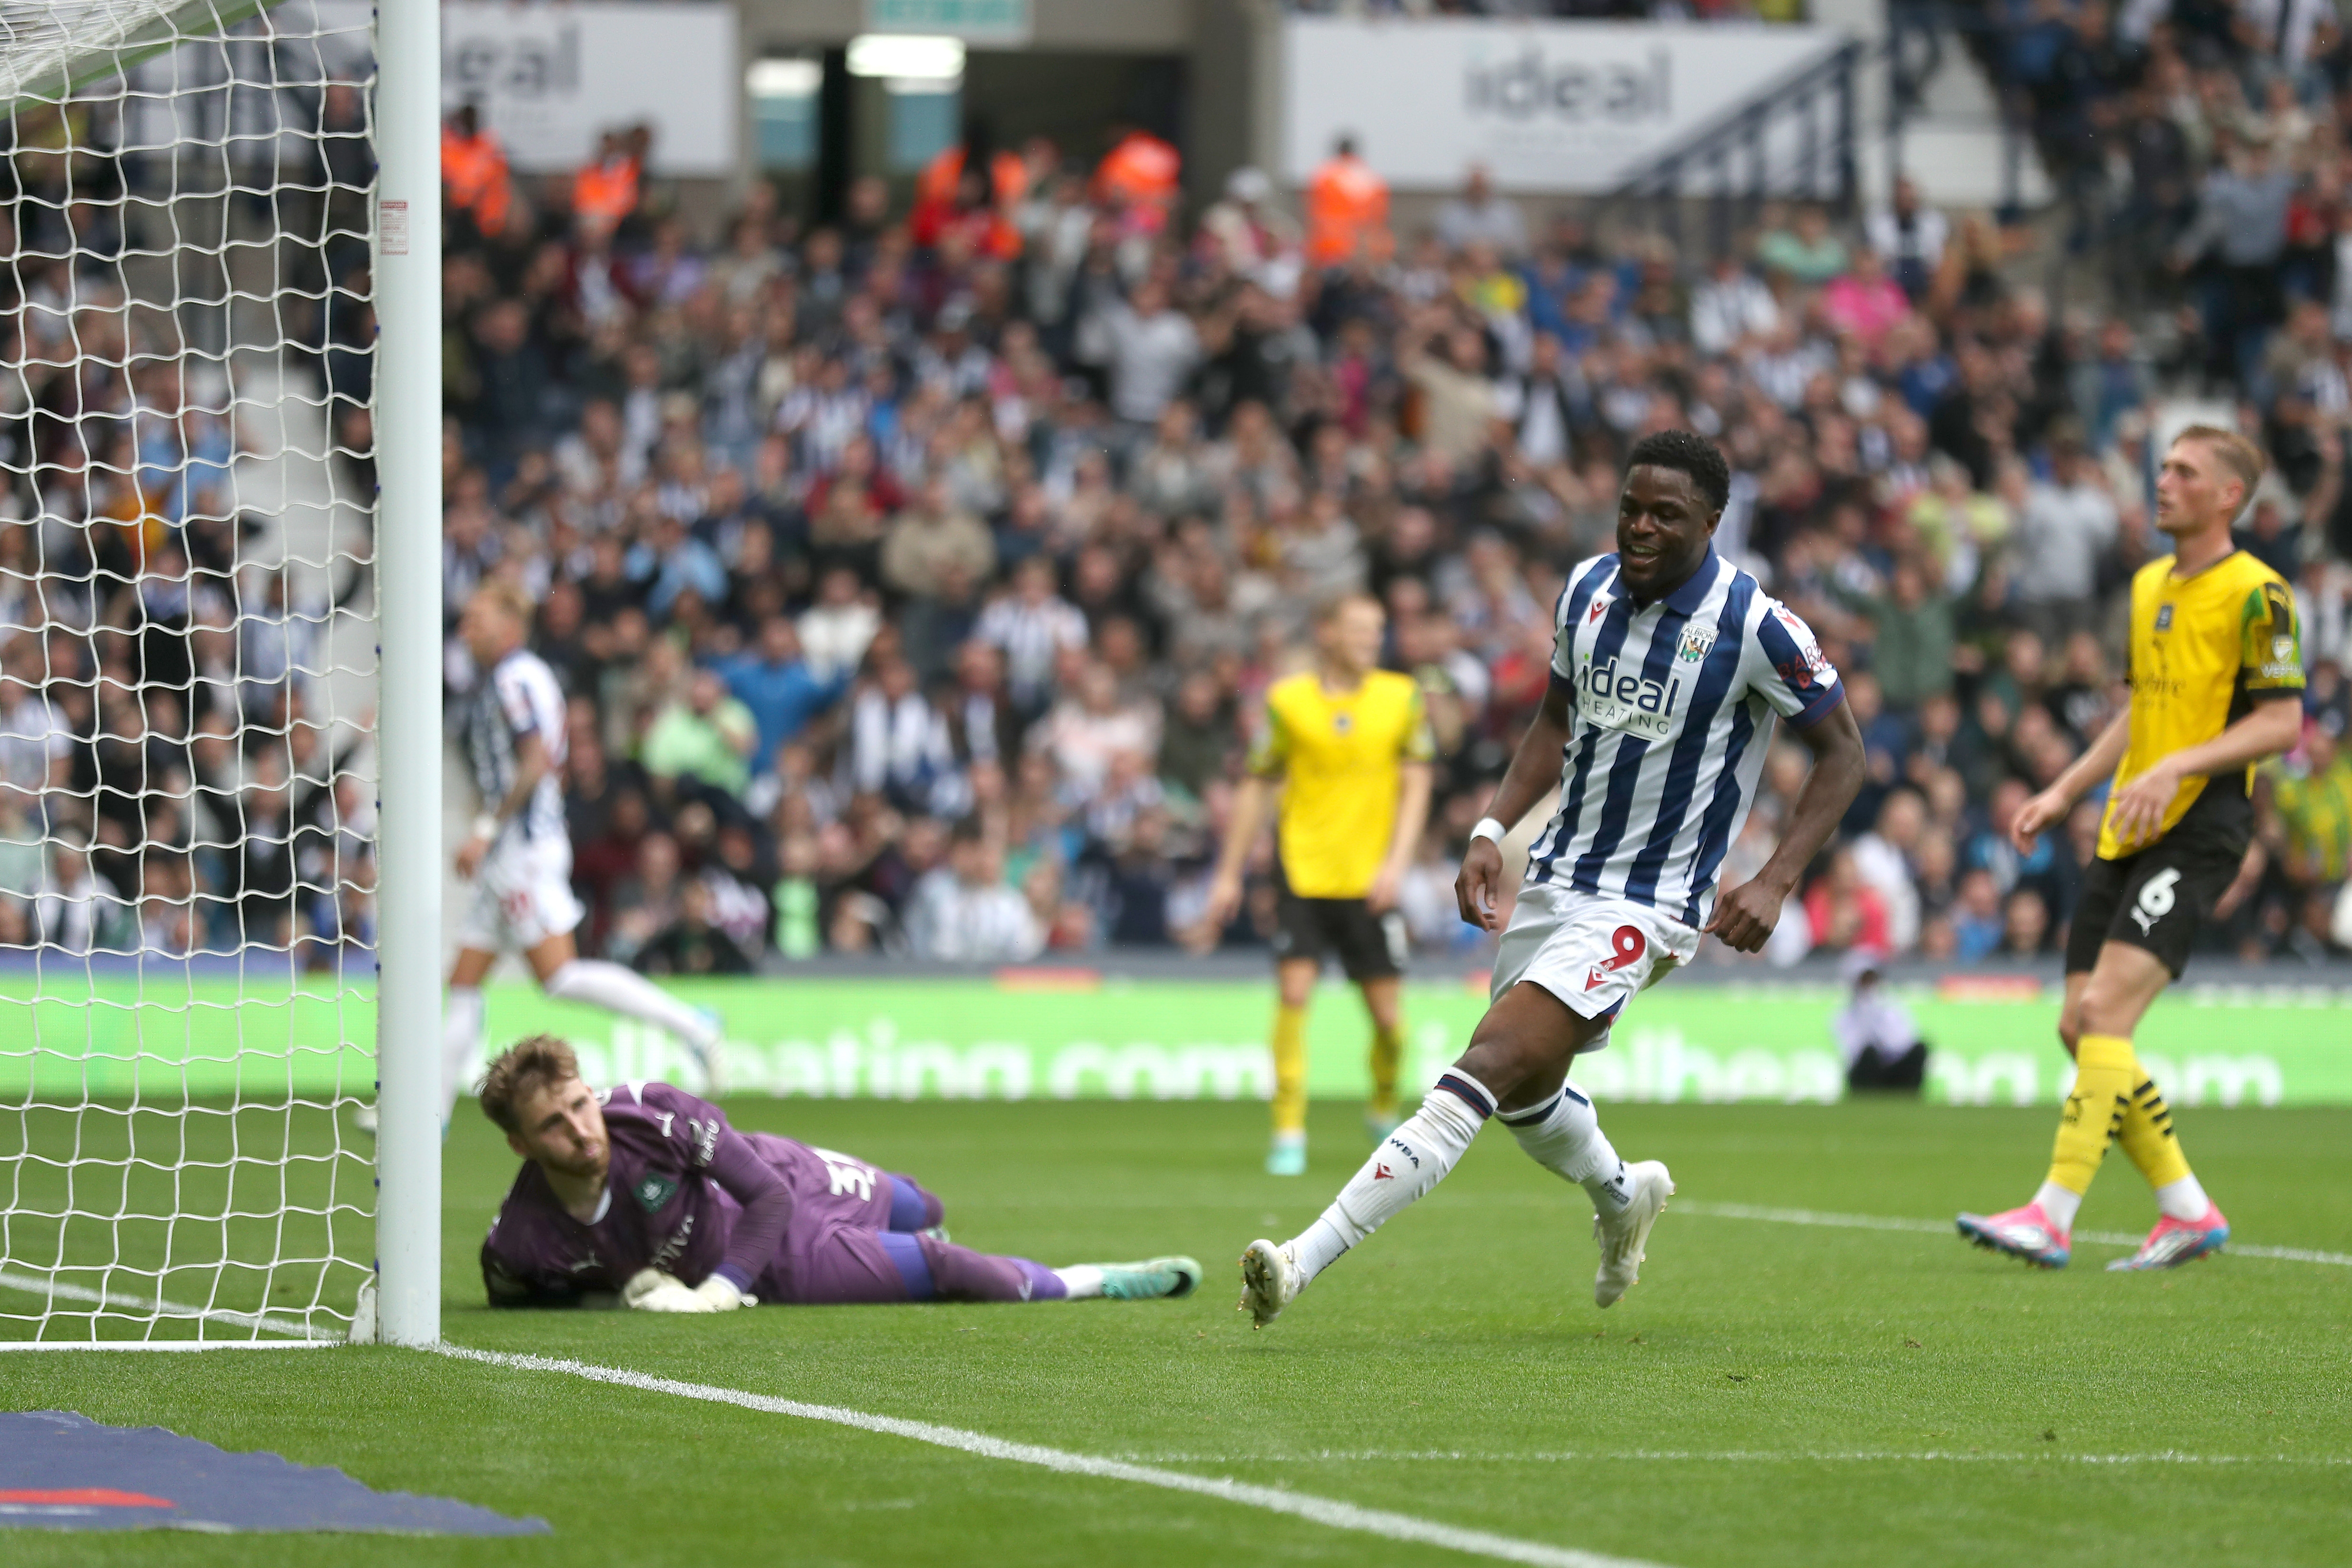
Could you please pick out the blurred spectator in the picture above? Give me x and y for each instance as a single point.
(1347, 211)
(964, 910)
(1876, 1038)
(776, 686)
(690, 944)
(1481, 217)
(1910, 236)
(1805, 251)
(474, 173)
(2062, 529)
(706, 736)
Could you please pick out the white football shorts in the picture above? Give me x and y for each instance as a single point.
(523, 895)
(1591, 952)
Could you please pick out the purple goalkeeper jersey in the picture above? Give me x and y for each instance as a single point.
(688, 1195)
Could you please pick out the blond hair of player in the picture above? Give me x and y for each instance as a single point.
(1346, 745)
(2217, 682)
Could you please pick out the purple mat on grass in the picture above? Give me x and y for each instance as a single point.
(63, 1471)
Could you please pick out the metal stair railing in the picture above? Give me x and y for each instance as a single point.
(1729, 161)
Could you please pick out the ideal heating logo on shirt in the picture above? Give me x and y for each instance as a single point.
(1617, 698)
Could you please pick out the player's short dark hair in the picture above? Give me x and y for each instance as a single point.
(1686, 453)
(526, 1066)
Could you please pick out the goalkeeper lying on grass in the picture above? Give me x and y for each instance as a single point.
(645, 1190)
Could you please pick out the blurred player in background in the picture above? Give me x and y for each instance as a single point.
(1668, 664)
(518, 856)
(639, 1189)
(1348, 745)
(2216, 686)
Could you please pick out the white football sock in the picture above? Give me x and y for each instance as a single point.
(1564, 1136)
(2060, 1205)
(1409, 1161)
(624, 990)
(461, 1043)
(2184, 1199)
(1083, 1280)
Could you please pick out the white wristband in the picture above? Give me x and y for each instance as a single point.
(1488, 829)
(486, 826)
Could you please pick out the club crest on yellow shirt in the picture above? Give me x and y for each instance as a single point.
(1342, 722)
(2164, 617)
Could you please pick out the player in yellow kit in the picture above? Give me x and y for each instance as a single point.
(2216, 686)
(1348, 747)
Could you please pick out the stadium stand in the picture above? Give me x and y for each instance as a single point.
(914, 578)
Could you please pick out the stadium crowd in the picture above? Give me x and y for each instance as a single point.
(914, 577)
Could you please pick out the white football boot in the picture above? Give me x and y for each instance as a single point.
(1270, 1281)
(1623, 1236)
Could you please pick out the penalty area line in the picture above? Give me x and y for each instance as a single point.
(1944, 1227)
(1327, 1512)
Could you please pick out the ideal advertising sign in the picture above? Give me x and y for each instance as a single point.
(1551, 106)
(551, 78)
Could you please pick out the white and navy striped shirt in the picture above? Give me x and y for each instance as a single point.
(1670, 713)
(520, 698)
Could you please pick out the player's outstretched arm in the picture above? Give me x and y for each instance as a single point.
(1534, 768)
(1249, 813)
(1745, 915)
(2049, 808)
(1414, 783)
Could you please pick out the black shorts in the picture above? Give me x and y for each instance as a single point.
(1368, 946)
(2153, 899)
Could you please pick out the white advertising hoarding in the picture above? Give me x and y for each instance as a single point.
(1546, 106)
(551, 78)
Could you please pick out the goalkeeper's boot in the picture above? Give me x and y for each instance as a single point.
(1151, 1281)
(2028, 1233)
(1270, 1281)
(1288, 1156)
(1378, 1123)
(1624, 1235)
(2174, 1242)
(365, 1119)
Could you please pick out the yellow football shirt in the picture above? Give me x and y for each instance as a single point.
(1339, 753)
(2203, 650)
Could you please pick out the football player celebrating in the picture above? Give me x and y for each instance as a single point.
(2216, 686)
(1668, 666)
(647, 1191)
(1349, 746)
(518, 856)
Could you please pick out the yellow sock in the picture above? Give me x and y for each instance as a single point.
(1388, 1050)
(1289, 1069)
(2146, 1136)
(2105, 1071)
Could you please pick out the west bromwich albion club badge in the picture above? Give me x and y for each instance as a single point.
(1696, 642)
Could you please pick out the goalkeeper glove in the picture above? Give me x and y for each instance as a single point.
(719, 1294)
(651, 1291)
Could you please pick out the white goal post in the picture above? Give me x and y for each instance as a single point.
(220, 671)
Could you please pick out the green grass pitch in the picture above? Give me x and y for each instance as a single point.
(1769, 1395)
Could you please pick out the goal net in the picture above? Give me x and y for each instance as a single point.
(187, 669)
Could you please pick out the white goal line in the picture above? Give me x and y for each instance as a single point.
(1325, 1511)
(59, 1291)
